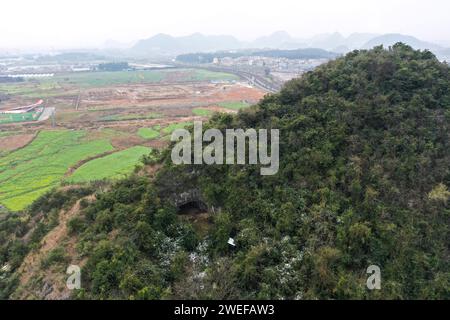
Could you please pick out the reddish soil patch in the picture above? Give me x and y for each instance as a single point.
(10, 143)
(157, 144)
(125, 141)
(239, 93)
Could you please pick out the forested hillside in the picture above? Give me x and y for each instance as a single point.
(364, 180)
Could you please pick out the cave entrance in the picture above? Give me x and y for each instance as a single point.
(192, 208)
(196, 213)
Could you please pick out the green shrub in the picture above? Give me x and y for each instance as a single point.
(54, 257)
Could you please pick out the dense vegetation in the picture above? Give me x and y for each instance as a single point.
(364, 176)
(363, 180)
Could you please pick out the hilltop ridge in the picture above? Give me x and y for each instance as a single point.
(363, 180)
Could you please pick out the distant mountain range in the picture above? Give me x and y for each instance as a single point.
(166, 44)
(393, 38)
(163, 44)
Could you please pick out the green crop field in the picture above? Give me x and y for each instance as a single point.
(206, 75)
(149, 133)
(112, 166)
(98, 79)
(33, 88)
(28, 173)
(237, 105)
(93, 79)
(201, 112)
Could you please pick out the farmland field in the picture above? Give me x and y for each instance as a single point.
(149, 133)
(148, 76)
(28, 173)
(111, 166)
(201, 112)
(57, 84)
(204, 75)
(32, 89)
(104, 123)
(118, 117)
(234, 105)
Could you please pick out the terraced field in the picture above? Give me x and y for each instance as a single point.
(28, 173)
(150, 133)
(122, 114)
(114, 166)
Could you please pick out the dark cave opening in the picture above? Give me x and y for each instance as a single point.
(192, 207)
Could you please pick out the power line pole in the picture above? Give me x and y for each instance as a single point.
(53, 117)
(78, 100)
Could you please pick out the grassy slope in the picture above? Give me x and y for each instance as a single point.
(112, 166)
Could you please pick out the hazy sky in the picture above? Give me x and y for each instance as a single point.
(75, 23)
